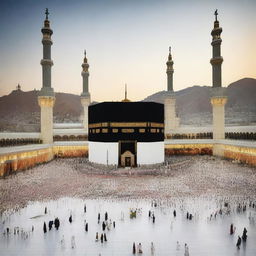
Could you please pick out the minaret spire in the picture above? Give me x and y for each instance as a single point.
(85, 75)
(46, 13)
(217, 59)
(46, 62)
(169, 72)
(216, 15)
(85, 95)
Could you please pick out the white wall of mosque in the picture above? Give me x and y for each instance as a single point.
(150, 152)
(14, 159)
(103, 152)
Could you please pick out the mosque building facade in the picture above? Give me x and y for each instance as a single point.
(126, 133)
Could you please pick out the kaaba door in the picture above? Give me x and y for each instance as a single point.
(128, 161)
(127, 153)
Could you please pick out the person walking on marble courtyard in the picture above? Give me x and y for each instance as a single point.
(103, 226)
(244, 236)
(105, 237)
(106, 216)
(174, 213)
(45, 228)
(84, 208)
(57, 223)
(98, 218)
(239, 240)
(154, 218)
(45, 210)
(70, 218)
(231, 229)
(139, 248)
(86, 227)
(50, 224)
(97, 237)
(133, 248)
(101, 238)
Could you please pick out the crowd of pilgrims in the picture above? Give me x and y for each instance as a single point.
(108, 224)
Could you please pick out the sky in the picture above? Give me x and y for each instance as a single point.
(127, 41)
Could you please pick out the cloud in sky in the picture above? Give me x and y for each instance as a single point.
(126, 42)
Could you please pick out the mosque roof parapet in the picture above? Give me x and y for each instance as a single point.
(69, 131)
(67, 125)
(19, 135)
(238, 143)
(70, 143)
(204, 129)
(26, 148)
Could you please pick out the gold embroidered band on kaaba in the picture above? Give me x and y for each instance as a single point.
(126, 124)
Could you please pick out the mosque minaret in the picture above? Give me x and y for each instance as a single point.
(218, 99)
(85, 96)
(171, 122)
(169, 72)
(46, 96)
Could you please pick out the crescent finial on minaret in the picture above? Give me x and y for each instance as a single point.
(170, 48)
(84, 52)
(46, 13)
(216, 14)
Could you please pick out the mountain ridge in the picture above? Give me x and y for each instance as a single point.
(192, 106)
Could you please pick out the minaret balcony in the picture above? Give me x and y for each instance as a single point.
(169, 71)
(216, 31)
(46, 62)
(216, 60)
(46, 30)
(216, 41)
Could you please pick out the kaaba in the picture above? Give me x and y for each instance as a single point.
(126, 133)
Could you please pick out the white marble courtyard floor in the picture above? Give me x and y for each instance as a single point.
(203, 235)
(199, 185)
